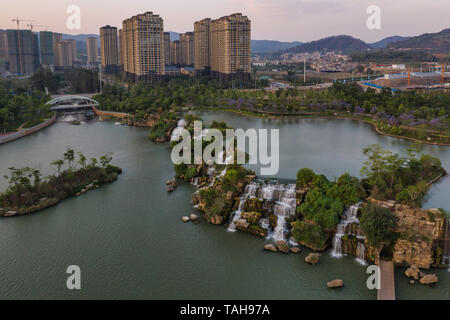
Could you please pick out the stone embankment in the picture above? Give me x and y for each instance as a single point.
(25, 132)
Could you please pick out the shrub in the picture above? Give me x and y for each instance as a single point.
(305, 176)
(310, 235)
(378, 225)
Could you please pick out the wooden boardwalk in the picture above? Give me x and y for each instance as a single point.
(387, 285)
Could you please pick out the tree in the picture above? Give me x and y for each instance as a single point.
(378, 224)
(69, 156)
(105, 160)
(58, 164)
(304, 177)
(82, 160)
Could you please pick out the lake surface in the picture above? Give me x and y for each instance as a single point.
(128, 238)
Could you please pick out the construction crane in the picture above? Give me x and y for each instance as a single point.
(18, 20)
(36, 25)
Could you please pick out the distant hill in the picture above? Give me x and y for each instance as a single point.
(383, 43)
(431, 42)
(271, 46)
(342, 43)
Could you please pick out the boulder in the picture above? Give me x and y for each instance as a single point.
(338, 283)
(170, 189)
(313, 258)
(242, 223)
(411, 281)
(413, 272)
(295, 249)
(429, 279)
(282, 246)
(193, 217)
(270, 247)
(11, 213)
(185, 219)
(216, 220)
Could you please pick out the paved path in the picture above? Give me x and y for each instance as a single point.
(387, 286)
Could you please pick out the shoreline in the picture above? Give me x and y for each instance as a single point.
(25, 132)
(317, 116)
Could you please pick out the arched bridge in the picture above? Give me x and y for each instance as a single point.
(72, 103)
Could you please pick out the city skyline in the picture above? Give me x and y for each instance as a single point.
(290, 20)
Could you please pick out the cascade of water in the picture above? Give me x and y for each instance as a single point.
(344, 227)
(177, 132)
(361, 253)
(446, 253)
(282, 200)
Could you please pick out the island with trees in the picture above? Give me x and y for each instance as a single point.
(28, 191)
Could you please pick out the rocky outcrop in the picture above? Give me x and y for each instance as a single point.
(171, 185)
(270, 247)
(282, 246)
(338, 283)
(313, 258)
(294, 250)
(429, 279)
(413, 272)
(420, 233)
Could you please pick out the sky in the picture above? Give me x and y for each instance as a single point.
(284, 20)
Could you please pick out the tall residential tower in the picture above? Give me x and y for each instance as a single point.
(143, 35)
(109, 49)
(230, 47)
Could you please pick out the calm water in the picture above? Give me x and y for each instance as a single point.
(128, 238)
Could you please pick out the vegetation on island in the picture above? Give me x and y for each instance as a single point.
(406, 179)
(28, 191)
(386, 176)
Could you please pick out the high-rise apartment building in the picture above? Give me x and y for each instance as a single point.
(46, 49)
(109, 49)
(3, 45)
(92, 52)
(57, 37)
(202, 45)
(122, 50)
(73, 43)
(230, 47)
(64, 55)
(175, 52)
(143, 35)
(187, 48)
(166, 48)
(23, 51)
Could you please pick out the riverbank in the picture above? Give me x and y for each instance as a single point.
(25, 132)
(316, 115)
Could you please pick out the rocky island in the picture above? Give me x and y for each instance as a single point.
(28, 192)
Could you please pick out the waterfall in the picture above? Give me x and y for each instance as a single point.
(361, 253)
(446, 253)
(349, 225)
(237, 215)
(177, 132)
(281, 201)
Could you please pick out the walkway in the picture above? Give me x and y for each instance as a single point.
(387, 286)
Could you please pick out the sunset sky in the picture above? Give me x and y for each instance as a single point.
(284, 20)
